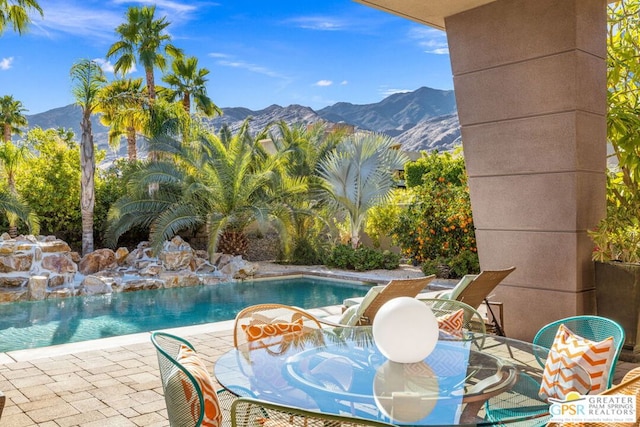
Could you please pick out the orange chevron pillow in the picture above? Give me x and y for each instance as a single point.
(569, 350)
(190, 360)
(258, 332)
(452, 323)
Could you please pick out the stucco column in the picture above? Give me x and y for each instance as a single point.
(530, 84)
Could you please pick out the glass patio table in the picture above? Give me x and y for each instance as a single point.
(478, 380)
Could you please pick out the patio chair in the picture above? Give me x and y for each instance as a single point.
(283, 318)
(186, 383)
(362, 314)
(247, 412)
(476, 289)
(594, 328)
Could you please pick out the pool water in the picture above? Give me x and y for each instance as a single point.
(33, 324)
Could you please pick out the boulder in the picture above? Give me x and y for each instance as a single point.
(17, 261)
(37, 288)
(98, 260)
(93, 285)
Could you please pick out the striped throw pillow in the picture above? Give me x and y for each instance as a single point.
(190, 360)
(569, 350)
(259, 331)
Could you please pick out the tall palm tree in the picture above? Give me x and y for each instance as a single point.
(188, 83)
(16, 14)
(359, 175)
(121, 104)
(10, 158)
(88, 79)
(142, 40)
(11, 117)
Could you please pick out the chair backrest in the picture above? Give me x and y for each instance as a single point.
(265, 314)
(594, 328)
(474, 292)
(247, 412)
(178, 396)
(395, 288)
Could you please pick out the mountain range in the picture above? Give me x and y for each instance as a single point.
(421, 120)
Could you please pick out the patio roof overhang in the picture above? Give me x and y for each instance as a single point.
(428, 12)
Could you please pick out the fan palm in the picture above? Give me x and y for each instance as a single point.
(16, 14)
(142, 38)
(12, 117)
(188, 83)
(88, 79)
(358, 175)
(220, 181)
(121, 104)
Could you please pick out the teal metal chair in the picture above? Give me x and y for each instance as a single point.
(182, 408)
(248, 412)
(595, 328)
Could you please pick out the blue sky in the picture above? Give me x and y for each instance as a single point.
(309, 52)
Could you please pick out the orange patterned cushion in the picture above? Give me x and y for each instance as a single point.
(257, 332)
(452, 323)
(192, 362)
(569, 350)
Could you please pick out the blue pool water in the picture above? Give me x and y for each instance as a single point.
(33, 324)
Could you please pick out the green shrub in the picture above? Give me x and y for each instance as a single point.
(362, 258)
(433, 167)
(435, 229)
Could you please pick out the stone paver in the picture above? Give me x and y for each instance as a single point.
(104, 383)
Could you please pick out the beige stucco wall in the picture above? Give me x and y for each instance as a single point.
(530, 83)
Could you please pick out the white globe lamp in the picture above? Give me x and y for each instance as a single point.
(405, 330)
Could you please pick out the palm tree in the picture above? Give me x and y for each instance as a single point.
(142, 38)
(121, 104)
(16, 14)
(11, 117)
(88, 79)
(359, 175)
(188, 82)
(10, 158)
(218, 181)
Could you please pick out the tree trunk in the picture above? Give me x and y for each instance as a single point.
(132, 151)
(87, 182)
(6, 133)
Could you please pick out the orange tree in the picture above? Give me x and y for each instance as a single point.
(435, 229)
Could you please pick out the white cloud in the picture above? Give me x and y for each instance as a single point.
(323, 83)
(344, 83)
(218, 55)
(390, 91)
(251, 67)
(5, 63)
(107, 66)
(319, 23)
(431, 40)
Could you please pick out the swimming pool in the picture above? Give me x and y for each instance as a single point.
(32, 324)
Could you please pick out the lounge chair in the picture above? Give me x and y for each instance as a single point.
(475, 289)
(362, 314)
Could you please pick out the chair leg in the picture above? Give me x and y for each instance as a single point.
(497, 325)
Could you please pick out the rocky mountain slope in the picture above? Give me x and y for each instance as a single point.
(424, 119)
